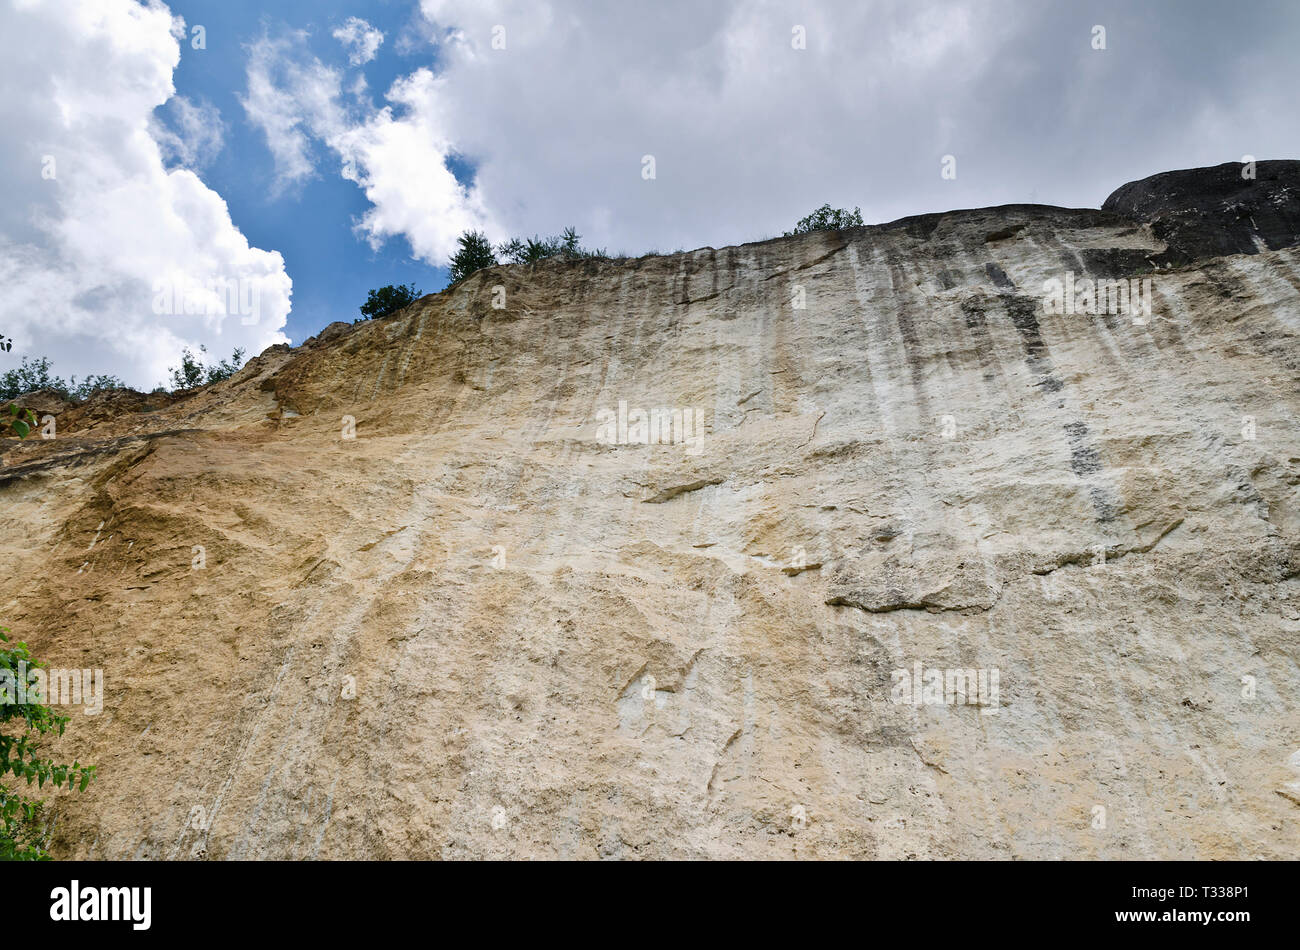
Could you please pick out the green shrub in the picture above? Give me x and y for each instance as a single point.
(827, 218)
(534, 249)
(389, 299)
(476, 252)
(32, 375)
(192, 372)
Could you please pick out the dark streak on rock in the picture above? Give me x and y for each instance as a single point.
(999, 277)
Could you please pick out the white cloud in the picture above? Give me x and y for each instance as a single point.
(191, 133)
(288, 98)
(401, 165)
(399, 161)
(749, 133)
(360, 39)
(84, 249)
(556, 109)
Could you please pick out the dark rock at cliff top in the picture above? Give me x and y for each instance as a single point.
(1208, 212)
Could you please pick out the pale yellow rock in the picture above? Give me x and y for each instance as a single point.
(563, 648)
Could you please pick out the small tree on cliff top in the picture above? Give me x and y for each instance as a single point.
(390, 299)
(192, 372)
(827, 218)
(475, 253)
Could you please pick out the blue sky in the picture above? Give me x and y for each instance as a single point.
(312, 226)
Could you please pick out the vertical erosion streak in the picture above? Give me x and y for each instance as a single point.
(411, 347)
(901, 286)
(1085, 460)
(873, 350)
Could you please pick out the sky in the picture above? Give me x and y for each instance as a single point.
(238, 174)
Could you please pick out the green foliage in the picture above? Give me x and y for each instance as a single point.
(20, 420)
(32, 375)
(390, 299)
(193, 373)
(827, 218)
(534, 249)
(224, 369)
(475, 253)
(23, 726)
(81, 391)
(28, 377)
(516, 251)
(190, 373)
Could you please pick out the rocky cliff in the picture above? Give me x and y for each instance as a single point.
(661, 557)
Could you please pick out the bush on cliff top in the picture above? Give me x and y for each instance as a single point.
(32, 375)
(388, 299)
(193, 373)
(476, 252)
(827, 218)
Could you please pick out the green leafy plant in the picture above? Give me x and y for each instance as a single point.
(23, 728)
(224, 369)
(30, 376)
(389, 299)
(20, 420)
(81, 391)
(192, 372)
(34, 374)
(827, 218)
(474, 253)
(534, 249)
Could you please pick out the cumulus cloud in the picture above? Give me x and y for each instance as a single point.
(754, 113)
(97, 235)
(188, 133)
(559, 104)
(398, 160)
(360, 39)
(758, 112)
(291, 97)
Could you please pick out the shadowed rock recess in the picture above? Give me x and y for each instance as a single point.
(563, 646)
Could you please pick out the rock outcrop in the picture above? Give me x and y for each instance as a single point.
(419, 590)
(1212, 212)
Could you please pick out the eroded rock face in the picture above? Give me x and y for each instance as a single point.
(1232, 208)
(42, 401)
(565, 643)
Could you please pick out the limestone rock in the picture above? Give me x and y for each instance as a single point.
(427, 589)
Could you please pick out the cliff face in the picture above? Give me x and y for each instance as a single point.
(565, 643)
